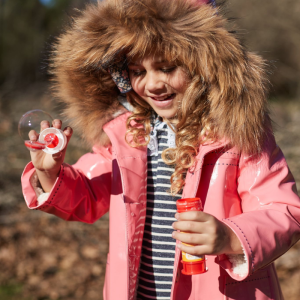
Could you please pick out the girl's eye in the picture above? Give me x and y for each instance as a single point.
(169, 69)
(136, 73)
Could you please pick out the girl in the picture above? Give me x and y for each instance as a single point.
(194, 123)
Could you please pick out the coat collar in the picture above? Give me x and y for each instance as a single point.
(116, 130)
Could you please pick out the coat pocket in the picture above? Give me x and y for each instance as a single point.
(254, 287)
(106, 280)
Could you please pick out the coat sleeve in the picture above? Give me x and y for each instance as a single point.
(81, 192)
(270, 222)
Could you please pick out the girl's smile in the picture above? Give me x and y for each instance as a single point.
(163, 101)
(158, 82)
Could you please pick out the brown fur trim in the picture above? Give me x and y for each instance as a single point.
(196, 36)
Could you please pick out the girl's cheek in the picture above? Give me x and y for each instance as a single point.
(179, 80)
(137, 86)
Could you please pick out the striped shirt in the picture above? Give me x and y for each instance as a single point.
(158, 247)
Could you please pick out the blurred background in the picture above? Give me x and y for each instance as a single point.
(42, 257)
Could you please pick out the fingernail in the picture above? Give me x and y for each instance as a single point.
(177, 216)
(173, 233)
(173, 225)
(178, 246)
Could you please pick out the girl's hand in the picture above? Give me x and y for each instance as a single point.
(48, 165)
(206, 233)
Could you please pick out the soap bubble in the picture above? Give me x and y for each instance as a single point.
(32, 121)
(51, 140)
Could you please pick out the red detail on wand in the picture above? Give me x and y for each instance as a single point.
(52, 139)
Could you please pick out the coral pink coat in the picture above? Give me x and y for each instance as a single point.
(255, 197)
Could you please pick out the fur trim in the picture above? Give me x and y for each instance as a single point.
(239, 262)
(195, 35)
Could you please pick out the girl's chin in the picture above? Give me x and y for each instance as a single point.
(165, 113)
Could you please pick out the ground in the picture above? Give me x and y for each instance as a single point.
(43, 257)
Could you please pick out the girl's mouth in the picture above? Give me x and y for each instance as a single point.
(164, 98)
(164, 101)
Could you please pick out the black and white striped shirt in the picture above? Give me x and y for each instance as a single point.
(158, 247)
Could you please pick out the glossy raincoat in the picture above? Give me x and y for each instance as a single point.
(255, 195)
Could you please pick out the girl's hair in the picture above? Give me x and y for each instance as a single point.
(192, 129)
(226, 95)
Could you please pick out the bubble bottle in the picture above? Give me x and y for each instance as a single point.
(51, 140)
(192, 264)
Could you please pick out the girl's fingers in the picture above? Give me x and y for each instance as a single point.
(68, 131)
(33, 135)
(57, 156)
(199, 216)
(191, 238)
(57, 123)
(190, 226)
(44, 124)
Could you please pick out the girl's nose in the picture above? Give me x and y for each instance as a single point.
(154, 83)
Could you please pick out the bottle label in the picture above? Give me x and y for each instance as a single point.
(190, 258)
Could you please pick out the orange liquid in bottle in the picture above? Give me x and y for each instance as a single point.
(192, 264)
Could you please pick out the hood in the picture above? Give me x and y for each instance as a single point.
(195, 34)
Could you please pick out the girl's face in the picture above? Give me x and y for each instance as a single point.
(160, 83)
